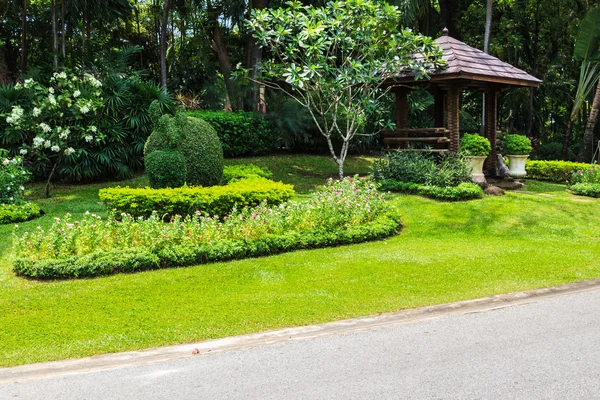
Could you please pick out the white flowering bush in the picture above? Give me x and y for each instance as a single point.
(58, 120)
(12, 180)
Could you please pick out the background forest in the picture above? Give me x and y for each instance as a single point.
(191, 47)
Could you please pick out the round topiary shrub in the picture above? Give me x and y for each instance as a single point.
(165, 169)
(474, 145)
(514, 144)
(196, 140)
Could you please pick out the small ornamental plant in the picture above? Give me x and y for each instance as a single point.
(58, 120)
(474, 145)
(12, 180)
(515, 145)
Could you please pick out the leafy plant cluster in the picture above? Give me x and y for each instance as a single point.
(233, 173)
(77, 126)
(514, 144)
(347, 211)
(415, 167)
(586, 182)
(472, 144)
(241, 133)
(12, 180)
(554, 171)
(215, 200)
(195, 140)
(586, 189)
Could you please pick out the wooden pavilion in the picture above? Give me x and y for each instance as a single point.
(467, 69)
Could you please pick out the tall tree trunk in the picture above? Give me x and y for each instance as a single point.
(255, 98)
(54, 36)
(587, 144)
(567, 139)
(24, 38)
(163, 44)
(63, 24)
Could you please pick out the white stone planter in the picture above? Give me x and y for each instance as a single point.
(516, 167)
(476, 163)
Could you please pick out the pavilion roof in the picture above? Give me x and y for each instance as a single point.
(469, 64)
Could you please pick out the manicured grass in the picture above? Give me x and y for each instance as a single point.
(446, 252)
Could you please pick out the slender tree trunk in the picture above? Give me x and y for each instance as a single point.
(255, 97)
(567, 139)
(163, 44)
(47, 188)
(587, 144)
(219, 47)
(63, 32)
(24, 38)
(54, 36)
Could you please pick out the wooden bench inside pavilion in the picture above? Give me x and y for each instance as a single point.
(467, 69)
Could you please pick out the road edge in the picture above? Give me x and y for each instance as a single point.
(54, 369)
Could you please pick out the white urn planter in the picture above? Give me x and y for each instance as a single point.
(516, 167)
(476, 163)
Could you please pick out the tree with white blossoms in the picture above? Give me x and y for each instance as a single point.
(334, 60)
(59, 118)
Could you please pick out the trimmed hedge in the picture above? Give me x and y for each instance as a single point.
(165, 169)
(198, 142)
(105, 263)
(241, 133)
(464, 191)
(586, 189)
(13, 213)
(553, 171)
(215, 200)
(237, 172)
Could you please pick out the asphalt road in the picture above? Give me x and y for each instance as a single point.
(549, 349)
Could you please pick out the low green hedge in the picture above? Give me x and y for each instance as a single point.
(215, 200)
(237, 172)
(464, 191)
(586, 189)
(13, 213)
(241, 133)
(105, 263)
(553, 171)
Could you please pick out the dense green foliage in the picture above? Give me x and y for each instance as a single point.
(461, 192)
(586, 189)
(165, 169)
(415, 167)
(214, 200)
(83, 248)
(554, 171)
(12, 180)
(196, 140)
(13, 213)
(241, 133)
(244, 171)
(586, 182)
(513, 144)
(472, 144)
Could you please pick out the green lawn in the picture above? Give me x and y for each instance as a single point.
(540, 237)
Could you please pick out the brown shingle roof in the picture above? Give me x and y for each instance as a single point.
(466, 62)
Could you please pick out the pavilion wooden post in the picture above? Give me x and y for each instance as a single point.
(491, 112)
(438, 109)
(402, 110)
(453, 117)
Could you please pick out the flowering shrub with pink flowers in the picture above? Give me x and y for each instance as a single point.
(346, 211)
(586, 182)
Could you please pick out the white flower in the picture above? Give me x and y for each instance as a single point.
(38, 141)
(51, 90)
(52, 99)
(62, 75)
(21, 188)
(76, 93)
(89, 138)
(69, 151)
(6, 161)
(84, 109)
(23, 152)
(8, 188)
(63, 135)
(45, 127)
(27, 83)
(36, 111)
(47, 143)
(67, 131)
(18, 85)
(55, 149)
(15, 116)
(93, 128)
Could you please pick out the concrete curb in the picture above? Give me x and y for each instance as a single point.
(133, 358)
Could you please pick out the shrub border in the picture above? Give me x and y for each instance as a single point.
(456, 193)
(32, 210)
(132, 260)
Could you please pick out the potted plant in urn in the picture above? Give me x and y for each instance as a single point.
(475, 149)
(516, 148)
